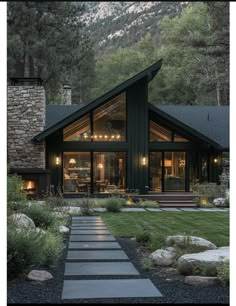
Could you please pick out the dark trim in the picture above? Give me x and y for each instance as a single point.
(148, 73)
(28, 170)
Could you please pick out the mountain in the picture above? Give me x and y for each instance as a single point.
(121, 24)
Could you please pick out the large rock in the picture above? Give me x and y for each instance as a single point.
(71, 209)
(163, 257)
(203, 263)
(39, 275)
(63, 229)
(219, 202)
(22, 220)
(197, 280)
(197, 241)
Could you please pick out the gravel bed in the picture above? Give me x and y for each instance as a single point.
(170, 284)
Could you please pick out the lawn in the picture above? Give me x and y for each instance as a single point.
(213, 226)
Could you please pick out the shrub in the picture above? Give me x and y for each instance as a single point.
(144, 236)
(15, 194)
(223, 272)
(114, 204)
(86, 207)
(147, 264)
(41, 215)
(156, 242)
(55, 200)
(23, 250)
(149, 204)
(51, 248)
(209, 191)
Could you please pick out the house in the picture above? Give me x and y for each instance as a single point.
(118, 142)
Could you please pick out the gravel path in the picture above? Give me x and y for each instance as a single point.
(170, 284)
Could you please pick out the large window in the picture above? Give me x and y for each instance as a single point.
(159, 133)
(109, 171)
(77, 176)
(106, 123)
(109, 120)
(78, 131)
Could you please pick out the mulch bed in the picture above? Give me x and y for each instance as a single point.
(166, 279)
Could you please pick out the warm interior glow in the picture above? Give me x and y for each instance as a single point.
(144, 161)
(57, 160)
(72, 161)
(168, 163)
(100, 166)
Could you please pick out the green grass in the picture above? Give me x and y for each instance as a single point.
(213, 226)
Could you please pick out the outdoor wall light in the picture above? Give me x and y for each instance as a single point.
(215, 160)
(57, 160)
(144, 161)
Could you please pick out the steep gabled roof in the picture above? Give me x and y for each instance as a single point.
(148, 73)
(208, 123)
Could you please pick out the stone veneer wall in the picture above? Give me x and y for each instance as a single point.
(25, 119)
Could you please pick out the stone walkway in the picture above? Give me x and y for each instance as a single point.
(94, 255)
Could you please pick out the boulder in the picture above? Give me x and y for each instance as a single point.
(63, 229)
(22, 220)
(219, 202)
(162, 257)
(170, 249)
(197, 280)
(197, 241)
(71, 209)
(39, 275)
(204, 263)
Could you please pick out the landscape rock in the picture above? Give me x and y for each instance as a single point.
(203, 262)
(63, 229)
(22, 220)
(197, 241)
(133, 239)
(219, 202)
(71, 209)
(170, 249)
(162, 257)
(39, 275)
(197, 280)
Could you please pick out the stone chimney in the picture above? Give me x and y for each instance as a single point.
(25, 119)
(66, 95)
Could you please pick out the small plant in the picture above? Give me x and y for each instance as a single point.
(41, 215)
(51, 247)
(223, 272)
(147, 264)
(23, 250)
(55, 200)
(86, 206)
(156, 242)
(114, 204)
(16, 197)
(149, 204)
(145, 236)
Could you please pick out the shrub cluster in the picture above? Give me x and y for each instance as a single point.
(114, 204)
(41, 215)
(27, 248)
(16, 197)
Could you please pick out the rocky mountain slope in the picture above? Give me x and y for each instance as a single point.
(121, 24)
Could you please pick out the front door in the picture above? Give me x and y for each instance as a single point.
(167, 171)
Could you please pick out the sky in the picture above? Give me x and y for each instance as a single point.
(3, 142)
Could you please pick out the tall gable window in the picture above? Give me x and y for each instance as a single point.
(159, 133)
(79, 130)
(105, 123)
(109, 120)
